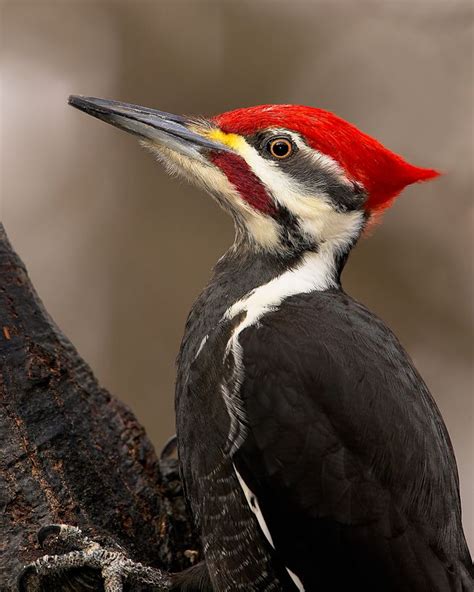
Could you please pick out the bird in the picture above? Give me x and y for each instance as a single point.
(312, 454)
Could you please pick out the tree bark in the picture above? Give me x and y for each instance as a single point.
(72, 453)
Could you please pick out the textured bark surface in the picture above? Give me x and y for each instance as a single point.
(70, 452)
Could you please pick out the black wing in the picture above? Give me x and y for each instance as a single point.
(347, 453)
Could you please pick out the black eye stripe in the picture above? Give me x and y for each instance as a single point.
(315, 178)
(262, 140)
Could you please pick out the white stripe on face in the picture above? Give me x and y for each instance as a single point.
(317, 219)
(317, 216)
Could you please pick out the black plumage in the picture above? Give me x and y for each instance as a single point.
(312, 454)
(345, 450)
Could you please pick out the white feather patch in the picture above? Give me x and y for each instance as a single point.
(317, 216)
(315, 272)
(230, 390)
(201, 345)
(296, 580)
(254, 506)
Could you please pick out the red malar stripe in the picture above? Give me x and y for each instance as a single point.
(244, 180)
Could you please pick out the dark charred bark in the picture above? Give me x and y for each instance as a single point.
(72, 453)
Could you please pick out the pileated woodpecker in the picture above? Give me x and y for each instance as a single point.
(312, 454)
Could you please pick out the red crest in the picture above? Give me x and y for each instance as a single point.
(382, 172)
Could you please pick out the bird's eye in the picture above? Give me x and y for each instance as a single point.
(280, 148)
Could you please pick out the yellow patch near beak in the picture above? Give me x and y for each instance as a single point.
(234, 141)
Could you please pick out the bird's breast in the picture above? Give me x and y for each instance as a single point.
(206, 433)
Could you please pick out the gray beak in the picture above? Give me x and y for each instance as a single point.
(164, 129)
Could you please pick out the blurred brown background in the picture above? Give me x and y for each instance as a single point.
(118, 251)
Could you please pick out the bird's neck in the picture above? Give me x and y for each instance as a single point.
(258, 281)
(313, 271)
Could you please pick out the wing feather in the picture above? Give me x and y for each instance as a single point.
(346, 452)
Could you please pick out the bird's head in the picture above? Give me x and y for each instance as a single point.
(293, 177)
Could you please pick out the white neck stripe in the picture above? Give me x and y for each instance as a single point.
(315, 272)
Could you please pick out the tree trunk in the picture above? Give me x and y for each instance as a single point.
(72, 453)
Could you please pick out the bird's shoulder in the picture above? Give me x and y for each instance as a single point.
(338, 415)
(324, 321)
(323, 365)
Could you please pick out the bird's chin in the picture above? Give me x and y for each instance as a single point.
(168, 148)
(256, 228)
(185, 162)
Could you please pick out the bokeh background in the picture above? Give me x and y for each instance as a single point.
(118, 251)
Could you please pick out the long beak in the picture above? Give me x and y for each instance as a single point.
(164, 129)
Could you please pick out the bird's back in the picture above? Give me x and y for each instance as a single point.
(345, 451)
